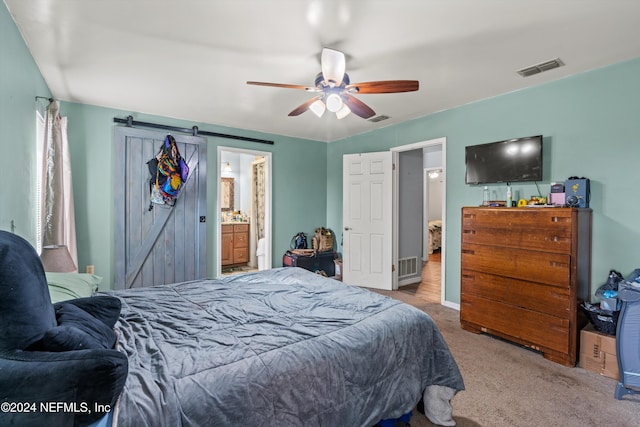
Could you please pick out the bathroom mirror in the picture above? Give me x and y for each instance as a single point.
(227, 194)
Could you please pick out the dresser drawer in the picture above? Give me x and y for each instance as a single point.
(519, 293)
(535, 328)
(542, 267)
(543, 229)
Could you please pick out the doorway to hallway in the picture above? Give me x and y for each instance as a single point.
(418, 165)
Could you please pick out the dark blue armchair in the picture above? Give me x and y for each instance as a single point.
(58, 365)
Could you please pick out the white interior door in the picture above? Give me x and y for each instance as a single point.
(367, 219)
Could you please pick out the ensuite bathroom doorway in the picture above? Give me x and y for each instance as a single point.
(244, 211)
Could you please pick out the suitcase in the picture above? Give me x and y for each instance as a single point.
(316, 262)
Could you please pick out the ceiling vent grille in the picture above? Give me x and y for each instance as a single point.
(379, 118)
(541, 67)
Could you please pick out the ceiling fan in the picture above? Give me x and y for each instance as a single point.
(336, 90)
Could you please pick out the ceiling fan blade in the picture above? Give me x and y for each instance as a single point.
(358, 107)
(333, 66)
(303, 107)
(384, 86)
(286, 86)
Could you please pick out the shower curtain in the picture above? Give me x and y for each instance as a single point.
(257, 220)
(58, 219)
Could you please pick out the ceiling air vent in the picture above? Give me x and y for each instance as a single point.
(379, 118)
(541, 67)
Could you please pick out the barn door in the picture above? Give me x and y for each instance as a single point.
(165, 244)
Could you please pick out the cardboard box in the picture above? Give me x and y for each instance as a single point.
(338, 269)
(598, 353)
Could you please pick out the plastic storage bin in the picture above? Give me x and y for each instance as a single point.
(628, 340)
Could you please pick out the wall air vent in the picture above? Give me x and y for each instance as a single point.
(541, 67)
(379, 118)
(407, 267)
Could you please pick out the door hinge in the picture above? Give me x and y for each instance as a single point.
(393, 268)
(393, 166)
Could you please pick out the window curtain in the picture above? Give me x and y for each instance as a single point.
(58, 219)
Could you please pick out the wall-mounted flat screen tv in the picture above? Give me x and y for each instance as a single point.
(513, 160)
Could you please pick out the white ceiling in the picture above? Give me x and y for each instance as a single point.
(190, 59)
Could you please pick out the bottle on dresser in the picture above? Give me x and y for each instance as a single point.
(485, 196)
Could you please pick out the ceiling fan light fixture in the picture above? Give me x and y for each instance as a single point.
(318, 107)
(334, 102)
(336, 89)
(333, 66)
(343, 112)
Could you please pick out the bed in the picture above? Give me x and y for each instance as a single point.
(435, 235)
(281, 347)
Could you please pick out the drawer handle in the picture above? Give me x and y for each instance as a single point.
(468, 276)
(469, 231)
(468, 251)
(469, 216)
(560, 219)
(558, 239)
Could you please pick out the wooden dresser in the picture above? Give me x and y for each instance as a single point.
(524, 272)
(234, 244)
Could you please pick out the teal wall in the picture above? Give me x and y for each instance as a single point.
(591, 128)
(20, 83)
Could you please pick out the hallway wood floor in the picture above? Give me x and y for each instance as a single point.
(429, 288)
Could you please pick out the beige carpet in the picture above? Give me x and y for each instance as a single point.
(508, 385)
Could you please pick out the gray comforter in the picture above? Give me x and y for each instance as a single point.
(284, 347)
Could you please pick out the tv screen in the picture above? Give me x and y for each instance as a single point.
(513, 160)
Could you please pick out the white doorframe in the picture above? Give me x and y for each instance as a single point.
(267, 203)
(419, 145)
(425, 215)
